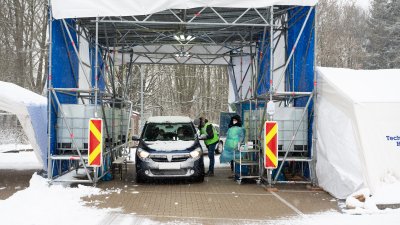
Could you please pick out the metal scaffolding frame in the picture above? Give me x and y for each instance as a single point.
(220, 35)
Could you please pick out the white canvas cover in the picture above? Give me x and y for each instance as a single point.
(358, 129)
(91, 8)
(31, 111)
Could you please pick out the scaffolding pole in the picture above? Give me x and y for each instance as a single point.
(49, 87)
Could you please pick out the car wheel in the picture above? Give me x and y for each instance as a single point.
(220, 148)
(199, 178)
(139, 178)
(199, 170)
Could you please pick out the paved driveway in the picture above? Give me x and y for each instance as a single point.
(218, 200)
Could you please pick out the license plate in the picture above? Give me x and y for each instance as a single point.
(169, 166)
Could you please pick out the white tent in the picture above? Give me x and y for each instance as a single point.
(31, 110)
(91, 8)
(358, 129)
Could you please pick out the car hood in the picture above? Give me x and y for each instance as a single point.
(169, 146)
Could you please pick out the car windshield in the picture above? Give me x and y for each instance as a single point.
(168, 132)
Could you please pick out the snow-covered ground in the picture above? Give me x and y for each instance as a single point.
(43, 204)
(14, 147)
(20, 160)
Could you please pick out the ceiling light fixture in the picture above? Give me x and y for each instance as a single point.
(183, 38)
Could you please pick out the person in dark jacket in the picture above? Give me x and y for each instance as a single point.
(211, 139)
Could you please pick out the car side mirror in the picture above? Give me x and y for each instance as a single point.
(135, 138)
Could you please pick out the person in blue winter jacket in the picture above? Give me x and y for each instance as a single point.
(235, 135)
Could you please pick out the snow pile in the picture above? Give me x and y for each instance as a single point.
(48, 205)
(361, 202)
(389, 191)
(14, 147)
(44, 204)
(386, 217)
(19, 161)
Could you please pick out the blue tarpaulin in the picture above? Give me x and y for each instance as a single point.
(65, 72)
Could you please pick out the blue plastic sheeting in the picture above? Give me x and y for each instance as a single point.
(264, 55)
(301, 66)
(38, 116)
(64, 73)
(100, 82)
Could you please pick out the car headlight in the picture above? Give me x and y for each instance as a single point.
(143, 154)
(195, 153)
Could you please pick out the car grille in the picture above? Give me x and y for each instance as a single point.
(175, 158)
(169, 172)
(179, 158)
(159, 158)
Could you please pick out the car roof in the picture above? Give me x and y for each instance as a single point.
(169, 119)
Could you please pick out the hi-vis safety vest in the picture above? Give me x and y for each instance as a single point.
(214, 139)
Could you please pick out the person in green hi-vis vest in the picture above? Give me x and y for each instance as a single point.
(211, 139)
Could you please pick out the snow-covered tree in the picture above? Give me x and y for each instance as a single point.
(384, 35)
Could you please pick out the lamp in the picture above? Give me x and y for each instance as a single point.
(181, 37)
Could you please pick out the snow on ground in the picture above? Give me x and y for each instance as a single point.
(388, 192)
(13, 147)
(43, 204)
(23, 160)
(47, 205)
(386, 217)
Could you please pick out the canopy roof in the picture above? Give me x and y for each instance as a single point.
(130, 23)
(91, 8)
(205, 32)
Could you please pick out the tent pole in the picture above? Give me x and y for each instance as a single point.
(271, 54)
(141, 96)
(271, 76)
(95, 80)
(49, 87)
(314, 127)
(96, 67)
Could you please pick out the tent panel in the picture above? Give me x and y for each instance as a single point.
(92, 8)
(370, 149)
(378, 127)
(31, 111)
(338, 165)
